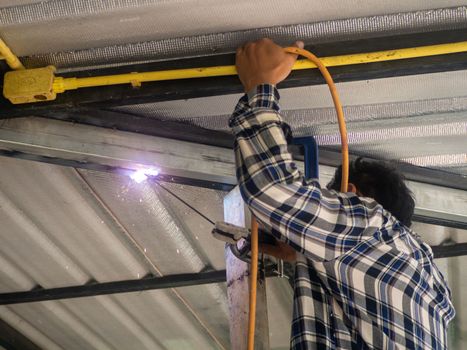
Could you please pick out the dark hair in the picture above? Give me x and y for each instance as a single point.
(382, 182)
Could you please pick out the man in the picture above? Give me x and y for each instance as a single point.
(363, 279)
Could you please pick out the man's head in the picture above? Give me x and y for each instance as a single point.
(381, 182)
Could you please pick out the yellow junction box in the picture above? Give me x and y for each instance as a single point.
(30, 85)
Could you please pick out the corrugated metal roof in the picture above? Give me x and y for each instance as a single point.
(64, 227)
(67, 227)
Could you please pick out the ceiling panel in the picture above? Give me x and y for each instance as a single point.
(32, 28)
(420, 119)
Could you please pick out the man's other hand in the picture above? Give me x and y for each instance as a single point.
(264, 62)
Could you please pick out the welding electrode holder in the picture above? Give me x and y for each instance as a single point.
(238, 239)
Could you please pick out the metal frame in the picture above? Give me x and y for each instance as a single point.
(118, 95)
(11, 339)
(449, 250)
(439, 218)
(94, 289)
(19, 138)
(127, 286)
(164, 282)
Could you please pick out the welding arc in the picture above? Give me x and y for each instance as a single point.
(344, 183)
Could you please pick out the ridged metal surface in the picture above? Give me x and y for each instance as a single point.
(134, 31)
(58, 234)
(397, 97)
(420, 119)
(66, 227)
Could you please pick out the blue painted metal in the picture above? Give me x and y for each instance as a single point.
(310, 155)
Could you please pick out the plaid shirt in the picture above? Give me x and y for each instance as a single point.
(363, 280)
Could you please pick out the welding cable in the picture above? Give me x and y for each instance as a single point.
(186, 203)
(344, 183)
(337, 105)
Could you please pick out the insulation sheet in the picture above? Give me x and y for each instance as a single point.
(69, 34)
(420, 119)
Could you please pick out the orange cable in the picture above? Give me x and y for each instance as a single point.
(338, 106)
(253, 283)
(344, 182)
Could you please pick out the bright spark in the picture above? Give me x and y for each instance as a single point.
(142, 174)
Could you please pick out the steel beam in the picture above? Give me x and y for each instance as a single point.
(440, 218)
(118, 95)
(109, 148)
(154, 283)
(93, 289)
(449, 250)
(11, 339)
(127, 286)
(104, 149)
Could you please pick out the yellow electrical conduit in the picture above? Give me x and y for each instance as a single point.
(6, 54)
(63, 84)
(312, 61)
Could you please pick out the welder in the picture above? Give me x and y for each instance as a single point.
(363, 279)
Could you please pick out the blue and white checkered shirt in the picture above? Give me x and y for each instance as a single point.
(363, 280)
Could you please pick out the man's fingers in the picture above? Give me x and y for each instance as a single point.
(292, 57)
(300, 44)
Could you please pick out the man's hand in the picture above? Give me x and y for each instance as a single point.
(263, 62)
(280, 251)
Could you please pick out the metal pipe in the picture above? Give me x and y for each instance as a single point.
(170, 281)
(93, 289)
(10, 57)
(127, 286)
(61, 84)
(449, 250)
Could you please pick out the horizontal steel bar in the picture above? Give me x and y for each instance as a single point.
(449, 250)
(127, 286)
(94, 147)
(440, 218)
(104, 97)
(11, 339)
(93, 289)
(154, 283)
(184, 161)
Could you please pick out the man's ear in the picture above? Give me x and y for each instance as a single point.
(352, 188)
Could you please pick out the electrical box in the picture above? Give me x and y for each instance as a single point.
(29, 85)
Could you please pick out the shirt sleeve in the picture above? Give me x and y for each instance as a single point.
(318, 223)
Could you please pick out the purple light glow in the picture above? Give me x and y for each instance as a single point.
(142, 174)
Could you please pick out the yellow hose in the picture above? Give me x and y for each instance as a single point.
(344, 183)
(10, 58)
(63, 84)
